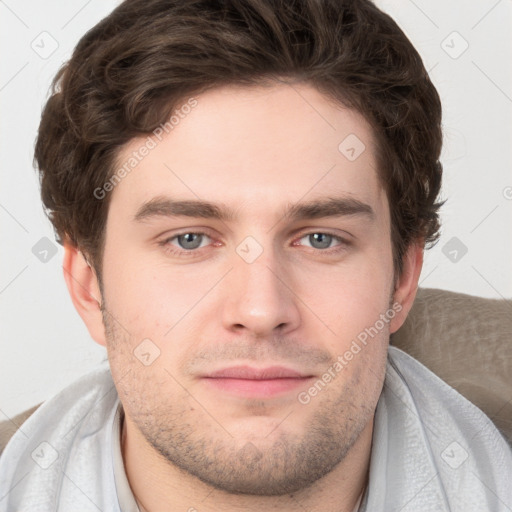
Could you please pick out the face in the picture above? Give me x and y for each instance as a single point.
(245, 256)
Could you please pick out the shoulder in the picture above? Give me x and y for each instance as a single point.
(69, 435)
(9, 427)
(465, 340)
(446, 450)
(444, 413)
(432, 397)
(65, 407)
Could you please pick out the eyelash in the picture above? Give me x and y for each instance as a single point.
(174, 251)
(342, 242)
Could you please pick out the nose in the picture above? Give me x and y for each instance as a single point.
(259, 298)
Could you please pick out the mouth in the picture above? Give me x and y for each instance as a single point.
(256, 382)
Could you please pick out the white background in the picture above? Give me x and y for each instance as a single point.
(44, 342)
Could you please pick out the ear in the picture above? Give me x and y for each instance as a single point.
(84, 290)
(407, 284)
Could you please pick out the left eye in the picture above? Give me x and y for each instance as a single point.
(320, 240)
(190, 241)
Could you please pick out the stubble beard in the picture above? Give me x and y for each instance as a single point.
(189, 437)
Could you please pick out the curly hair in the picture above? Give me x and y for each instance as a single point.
(130, 71)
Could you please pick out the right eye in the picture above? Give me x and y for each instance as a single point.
(188, 241)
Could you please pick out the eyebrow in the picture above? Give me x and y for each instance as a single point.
(327, 207)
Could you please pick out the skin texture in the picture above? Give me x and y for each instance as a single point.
(255, 151)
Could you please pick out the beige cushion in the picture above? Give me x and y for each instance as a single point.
(465, 340)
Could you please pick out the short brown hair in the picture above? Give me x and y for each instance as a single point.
(129, 72)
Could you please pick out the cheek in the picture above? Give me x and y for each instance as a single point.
(150, 299)
(350, 297)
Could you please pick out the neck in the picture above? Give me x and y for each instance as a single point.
(158, 485)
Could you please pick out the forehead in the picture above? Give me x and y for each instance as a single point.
(254, 148)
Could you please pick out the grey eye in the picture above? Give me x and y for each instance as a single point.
(320, 240)
(190, 240)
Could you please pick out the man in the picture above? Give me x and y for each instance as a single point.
(244, 190)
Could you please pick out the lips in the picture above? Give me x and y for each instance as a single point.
(247, 372)
(256, 382)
